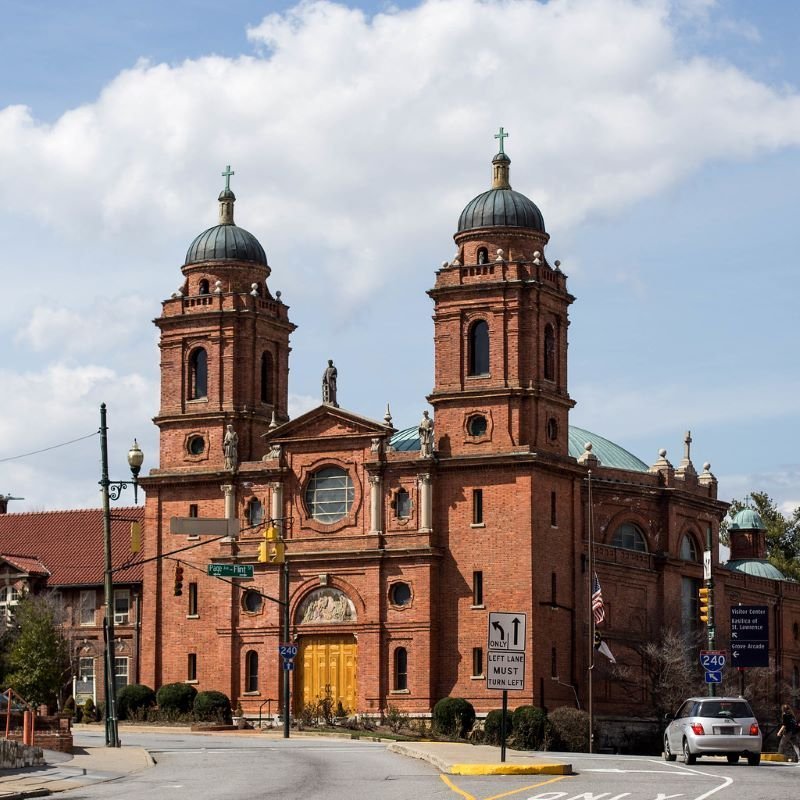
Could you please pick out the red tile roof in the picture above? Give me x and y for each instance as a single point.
(25, 564)
(70, 544)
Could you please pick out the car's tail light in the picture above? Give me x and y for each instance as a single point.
(754, 729)
(697, 729)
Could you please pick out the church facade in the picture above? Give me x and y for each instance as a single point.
(400, 543)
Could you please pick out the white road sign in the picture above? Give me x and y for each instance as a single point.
(505, 671)
(507, 632)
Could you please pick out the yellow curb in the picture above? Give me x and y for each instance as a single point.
(773, 757)
(510, 769)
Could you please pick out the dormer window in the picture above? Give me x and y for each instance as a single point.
(198, 374)
(479, 348)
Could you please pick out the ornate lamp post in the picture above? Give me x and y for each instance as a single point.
(111, 490)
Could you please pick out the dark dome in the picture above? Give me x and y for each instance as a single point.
(503, 208)
(226, 242)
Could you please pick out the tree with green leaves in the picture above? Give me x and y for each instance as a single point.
(38, 659)
(782, 534)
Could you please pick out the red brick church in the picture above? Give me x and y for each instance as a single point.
(401, 542)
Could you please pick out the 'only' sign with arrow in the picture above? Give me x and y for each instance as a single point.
(507, 632)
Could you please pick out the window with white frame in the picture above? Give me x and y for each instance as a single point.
(86, 607)
(122, 606)
(9, 597)
(121, 671)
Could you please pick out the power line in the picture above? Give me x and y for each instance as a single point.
(52, 447)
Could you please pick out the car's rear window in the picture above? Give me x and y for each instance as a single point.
(725, 709)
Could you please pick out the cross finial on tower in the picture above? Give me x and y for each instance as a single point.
(227, 175)
(688, 443)
(501, 134)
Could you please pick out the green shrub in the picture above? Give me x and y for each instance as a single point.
(134, 698)
(492, 730)
(453, 717)
(531, 728)
(212, 706)
(89, 710)
(176, 698)
(570, 729)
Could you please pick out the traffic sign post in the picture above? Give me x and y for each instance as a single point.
(749, 636)
(505, 659)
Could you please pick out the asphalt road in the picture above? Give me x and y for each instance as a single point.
(199, 767)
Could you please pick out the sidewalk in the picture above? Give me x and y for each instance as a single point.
(63, 771)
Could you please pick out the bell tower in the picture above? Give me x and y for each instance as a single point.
(224, 348)
(500, 330)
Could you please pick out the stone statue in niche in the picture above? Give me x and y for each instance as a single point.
(329, 378)
(425, 431)
(326, 606)
(230, 448)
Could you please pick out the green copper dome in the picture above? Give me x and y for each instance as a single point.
(757, 567)
(610, 454)
(747, 520)
(501, 206)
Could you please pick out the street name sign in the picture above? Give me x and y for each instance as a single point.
(505, 659)
(230, 570)
(749, 636)
(204, 526)
(712, 660)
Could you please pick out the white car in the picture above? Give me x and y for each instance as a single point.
(713, 726)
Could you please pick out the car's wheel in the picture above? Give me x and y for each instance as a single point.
(733, 758)
(668, 754)
(688, 756)
(754, 759)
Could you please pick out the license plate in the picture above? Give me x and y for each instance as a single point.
(726, 731)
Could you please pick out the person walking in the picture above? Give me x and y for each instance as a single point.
(789, 734)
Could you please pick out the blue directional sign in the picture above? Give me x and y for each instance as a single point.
(714, 676)
(749, 636)
(288, 665)
(712, 660)
(287, 650)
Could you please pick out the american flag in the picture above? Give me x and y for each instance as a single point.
(598, 609)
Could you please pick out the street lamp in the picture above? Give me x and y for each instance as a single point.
(111, 490)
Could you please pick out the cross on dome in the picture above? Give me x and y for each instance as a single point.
(501, 134)
(228, 172)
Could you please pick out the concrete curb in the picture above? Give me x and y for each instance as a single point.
(443, 764)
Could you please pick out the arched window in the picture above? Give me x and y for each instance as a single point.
(267, 379)
(203, 289)
(400, 669)
(479, 348)
(251, 671)
(329, 494)
(689, 548)
(402, 504)
(198, 374)
(255, 512)
(483, 255)
(629, 537)
(549, 353)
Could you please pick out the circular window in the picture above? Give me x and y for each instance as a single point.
(329, 494)
(552, 429)
(196, 445)
(400, 594)
(252, 601)
(476, 425)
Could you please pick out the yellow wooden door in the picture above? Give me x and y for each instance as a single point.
(326, 661)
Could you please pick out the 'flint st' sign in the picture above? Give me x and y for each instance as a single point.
(505, 658)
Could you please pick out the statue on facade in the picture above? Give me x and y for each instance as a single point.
(425, 436)
(329, 384)
(230, 448)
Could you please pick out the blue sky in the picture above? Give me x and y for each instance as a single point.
(660, 140)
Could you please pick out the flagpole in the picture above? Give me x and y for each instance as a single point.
(591, 611)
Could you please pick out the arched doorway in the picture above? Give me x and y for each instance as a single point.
(327, 659)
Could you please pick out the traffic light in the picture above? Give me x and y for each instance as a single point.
(136, 537)
(178, 580)
(705, 604)
(271, 550)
